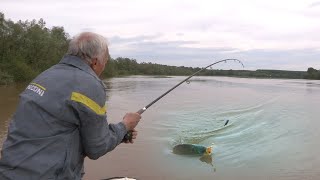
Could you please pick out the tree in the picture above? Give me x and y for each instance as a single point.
(312, 73)
(29, 47)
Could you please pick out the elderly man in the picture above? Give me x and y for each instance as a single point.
(61, 117)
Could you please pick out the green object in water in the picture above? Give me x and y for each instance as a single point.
(192, 149)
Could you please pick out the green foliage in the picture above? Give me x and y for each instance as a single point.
(125, 66)
(21, 71)
(28, 48)
(312, 73)
(280, 74)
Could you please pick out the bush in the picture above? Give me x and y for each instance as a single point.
(5, 78)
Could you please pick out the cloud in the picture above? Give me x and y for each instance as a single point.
(177, 53)
(148, 44)
(141, 38)
(314, 4)
(265, 33)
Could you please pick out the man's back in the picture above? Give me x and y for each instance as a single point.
(61, 117)
(44, 138)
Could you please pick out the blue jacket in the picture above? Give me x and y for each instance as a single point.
(60, 119)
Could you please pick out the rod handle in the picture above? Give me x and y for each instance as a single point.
(128, 136)
(142, 110)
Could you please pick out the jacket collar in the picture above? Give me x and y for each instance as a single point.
(78, 63)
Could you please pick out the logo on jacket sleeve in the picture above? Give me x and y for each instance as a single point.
(37, 88)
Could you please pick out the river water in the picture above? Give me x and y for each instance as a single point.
(273, 128)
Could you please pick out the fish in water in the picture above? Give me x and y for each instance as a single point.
(192, 149)
(120, 178)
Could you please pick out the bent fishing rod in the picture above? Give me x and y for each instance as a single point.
(128, 136)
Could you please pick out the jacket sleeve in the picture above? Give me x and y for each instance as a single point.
(97, 136)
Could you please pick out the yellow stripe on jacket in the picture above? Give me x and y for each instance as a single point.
(78, 97)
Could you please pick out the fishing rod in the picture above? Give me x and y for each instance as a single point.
(128, 136)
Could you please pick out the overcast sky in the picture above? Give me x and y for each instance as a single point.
(264, 34)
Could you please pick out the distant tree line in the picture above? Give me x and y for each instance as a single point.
(125, 66)
(28, 47)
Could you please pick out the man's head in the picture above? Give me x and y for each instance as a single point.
(92, 48)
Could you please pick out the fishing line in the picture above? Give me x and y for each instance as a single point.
(128, 136)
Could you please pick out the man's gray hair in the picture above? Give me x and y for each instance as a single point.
(88, 45)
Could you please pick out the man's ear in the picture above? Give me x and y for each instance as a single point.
(94, 61)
